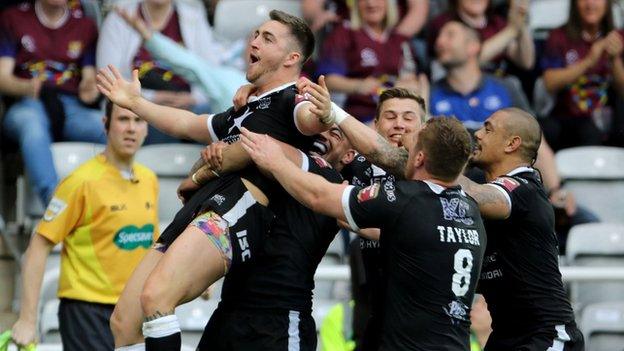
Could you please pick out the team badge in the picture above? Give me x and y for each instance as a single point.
(74, 49)
(368, 58)
(368, 193)
(55, 208)
(264, 103)
(456, 209)
(508, 183)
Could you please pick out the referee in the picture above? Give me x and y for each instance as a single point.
(432, 236)
(520, 280)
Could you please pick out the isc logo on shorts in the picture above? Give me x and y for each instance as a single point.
(244, 245)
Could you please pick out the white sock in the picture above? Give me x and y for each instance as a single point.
(161, 327)
(135, 347)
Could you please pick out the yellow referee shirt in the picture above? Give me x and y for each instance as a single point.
(106, 222)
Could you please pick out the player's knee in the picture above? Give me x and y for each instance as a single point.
(151, 296)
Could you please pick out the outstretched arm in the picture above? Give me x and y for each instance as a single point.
(176, 122)
(492, 202)
(311, 190)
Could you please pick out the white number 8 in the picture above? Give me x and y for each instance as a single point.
(461, 278)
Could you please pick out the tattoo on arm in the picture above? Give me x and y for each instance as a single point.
(158, 314)
(391, 158)
(488, 198)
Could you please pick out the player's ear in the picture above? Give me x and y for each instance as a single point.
(292, 59)
(348, 157)
(513, 144)
(419, 160)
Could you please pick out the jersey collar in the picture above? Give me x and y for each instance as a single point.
(521, 169)
(43, 19)
(281, 87)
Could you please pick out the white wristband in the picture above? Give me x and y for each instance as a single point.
(338, 113)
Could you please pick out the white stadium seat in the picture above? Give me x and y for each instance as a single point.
(603, 326)
(596, 245)
(595, 175)
(169, 160)
(235, 19)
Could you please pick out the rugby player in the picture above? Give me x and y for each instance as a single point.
(432, 235)
(203, 251)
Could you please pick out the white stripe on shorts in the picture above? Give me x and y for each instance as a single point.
(239, 209)
(560, 339)
(293, 331)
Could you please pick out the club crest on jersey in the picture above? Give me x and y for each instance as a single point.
(455, 209)
(508, 183)
(28, 43)
(218, 198)
(389, 190)
(55, 208)
(368, 193)
(131, 237)
(264, 103)
(74, 49)
(457, 310)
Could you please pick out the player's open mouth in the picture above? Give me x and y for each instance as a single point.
(321, 146)
(396, 137)
(253, 58)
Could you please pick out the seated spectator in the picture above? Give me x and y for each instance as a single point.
(47, 58)
(367, 54)
(122, 47)
(503, 39)
(583, 67)
(472, 96)
(467, 92)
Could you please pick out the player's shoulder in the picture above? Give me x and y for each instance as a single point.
(320, 166)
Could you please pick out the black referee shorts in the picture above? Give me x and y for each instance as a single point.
(249, 221)
(85, 325)
(259, 330)
(564, 337)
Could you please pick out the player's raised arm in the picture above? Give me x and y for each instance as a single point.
(310, 117)
(176, 122)
(310, 189)
(494, 203)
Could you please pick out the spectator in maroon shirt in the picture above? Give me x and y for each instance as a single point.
(502, 39)
(47, 59)
(583, 67)
(367, 54)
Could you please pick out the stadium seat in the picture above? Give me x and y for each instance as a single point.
(67, 156)
(543, 101)
(171, 163)
(603, 326)
(595, 175)
(229, 25)
(548, 14)
(596, 245)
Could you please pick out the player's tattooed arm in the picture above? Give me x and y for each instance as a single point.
(492, 202)
(389, 157)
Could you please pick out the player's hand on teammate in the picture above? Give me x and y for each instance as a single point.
(263, 150)
(120, 91)
(213, 155)
(318, 95)
(186, 189)
(242, 94)
(23, 333)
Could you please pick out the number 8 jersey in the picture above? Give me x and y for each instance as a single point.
(432, 242)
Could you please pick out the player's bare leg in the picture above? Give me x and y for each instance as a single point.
(127, 317)
(196, 259)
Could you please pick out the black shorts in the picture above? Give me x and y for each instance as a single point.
(561, 337)
(228, 197)
(85, 325)
(243, 330)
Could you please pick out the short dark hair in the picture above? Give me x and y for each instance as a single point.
(574, 26)
(400, 93)
(299, 29)
(108, 114)
(447, 145)
(526, 126)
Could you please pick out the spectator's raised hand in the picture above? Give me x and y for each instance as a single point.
(614, 45)
(120, 91)
(368, 86)
(213, 155)
(596, 51)
(135, 22)
(263, 150)
(318, 95)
